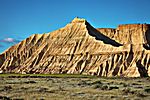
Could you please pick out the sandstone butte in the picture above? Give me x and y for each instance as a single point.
(79, 48)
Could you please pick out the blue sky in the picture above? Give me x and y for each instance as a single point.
(22, 18)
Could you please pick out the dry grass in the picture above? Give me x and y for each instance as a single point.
(74, 88)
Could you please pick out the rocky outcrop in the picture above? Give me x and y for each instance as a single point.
(78, 48)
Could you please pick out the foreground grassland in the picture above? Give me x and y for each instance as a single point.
(72, 87)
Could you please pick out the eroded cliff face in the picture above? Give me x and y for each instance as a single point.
(81, 49)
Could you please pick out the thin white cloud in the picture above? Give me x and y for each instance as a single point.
(9, 40)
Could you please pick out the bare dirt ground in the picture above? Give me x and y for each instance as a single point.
(74, 88)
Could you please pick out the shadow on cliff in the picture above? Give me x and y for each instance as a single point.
(147, 37)
(99, 36)
(141, 69)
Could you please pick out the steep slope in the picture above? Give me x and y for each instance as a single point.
(81, 49)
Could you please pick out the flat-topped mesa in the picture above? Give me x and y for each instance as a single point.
(129, 26)
(133, 34)
(129, 34)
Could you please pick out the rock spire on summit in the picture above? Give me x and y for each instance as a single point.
(78, 20)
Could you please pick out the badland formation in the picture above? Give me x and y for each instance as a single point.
(79, 48)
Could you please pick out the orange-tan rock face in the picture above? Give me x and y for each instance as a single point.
(81, 49)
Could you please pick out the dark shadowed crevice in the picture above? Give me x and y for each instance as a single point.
(147, 39)
(115, 72)
(141, 69)
(146, 46)
(2, 59)
(147, 35)
(79, 65)
(99, 36)
(131, 55)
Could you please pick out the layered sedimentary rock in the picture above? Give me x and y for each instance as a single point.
(78, 48)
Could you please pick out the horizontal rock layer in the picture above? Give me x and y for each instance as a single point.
(78, 48)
